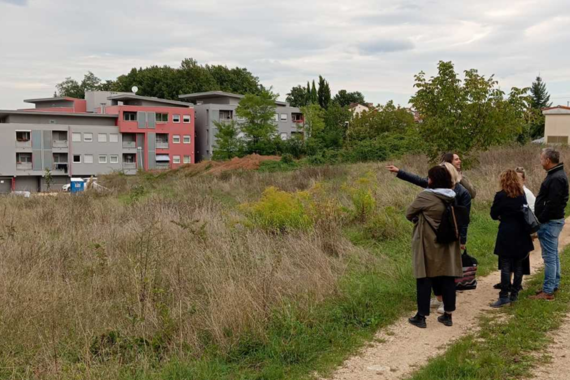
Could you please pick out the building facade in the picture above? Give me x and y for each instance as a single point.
(105, 133)
(219, 106)
(557, 125)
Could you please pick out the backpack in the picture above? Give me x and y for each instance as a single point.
(468, 281)
(448, 230)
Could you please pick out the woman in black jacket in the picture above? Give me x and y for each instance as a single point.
(513, 242)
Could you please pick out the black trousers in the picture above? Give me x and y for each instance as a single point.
(444, 284)
(509, 266)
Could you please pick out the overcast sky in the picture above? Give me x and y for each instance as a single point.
(372, 46)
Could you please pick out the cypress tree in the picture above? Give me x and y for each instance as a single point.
(540, 97)
(314, 96)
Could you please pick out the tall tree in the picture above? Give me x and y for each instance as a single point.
(336, 122)
(344, 98)
(313, 123)
(386, 119)
(258, 112)
(70, 87)
(228, 143)
(540, 100)
(314, 96)
(324, 93)
(297, 97)
(469, 114)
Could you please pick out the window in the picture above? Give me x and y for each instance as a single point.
(102, 159)
(114, 137)
(162, 118)
(187, 139)
(114, 159)
(176, 139)
(102, 137)
(186, 118)
(22, 136)
(557, 139)
(276, 117)
(22, 158)
(76, 137)
(284, 136)
(129, 116)
(283, 117)
(176, 159)
(88, 158)
(187, 160)
(88, 137)
(76, 158)
(176, 118)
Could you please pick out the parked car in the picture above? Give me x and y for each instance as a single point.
(66, 187)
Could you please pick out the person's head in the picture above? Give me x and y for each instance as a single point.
(453, 159)
(549, 158)
(511, 183)
(439, 178)
(521, 173)
(455, 176)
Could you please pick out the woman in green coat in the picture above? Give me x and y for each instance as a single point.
(433, 263)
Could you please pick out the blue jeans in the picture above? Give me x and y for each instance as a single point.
(548, 236)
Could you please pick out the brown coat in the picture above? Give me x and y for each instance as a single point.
(429, 258)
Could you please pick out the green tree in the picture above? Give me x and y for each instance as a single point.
(324, 93)
(313, 123)
(48, 178)
(336, 119)
(540, 100)
(385, 119)
(314, 96)
(258, 112)
(228, 143)
(298, 97)
(469, 114)
(344, 98)
(71, 88)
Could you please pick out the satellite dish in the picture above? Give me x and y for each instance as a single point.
(134, 89)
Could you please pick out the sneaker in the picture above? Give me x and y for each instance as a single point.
(418, 321)
(434, 302)
(543, 296)
(445, 319)
(500, 302)
(440, 309)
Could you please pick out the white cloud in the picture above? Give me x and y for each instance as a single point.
(367, 45)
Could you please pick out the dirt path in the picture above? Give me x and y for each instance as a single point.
(401, 348)
(559, 350)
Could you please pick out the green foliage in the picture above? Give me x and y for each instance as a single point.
(314, 96)
(48, 178)
(337, 119)
(323, 93)
(270, 166)
(467, 115)
(228, 144)
(298, 97)
(372, 124)
(344, 98)
(259, 114)
(540, 100)
(362, 197)
(386, 224)
(71, 88)
(314, 122)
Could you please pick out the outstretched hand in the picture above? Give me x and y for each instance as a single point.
(392, 168)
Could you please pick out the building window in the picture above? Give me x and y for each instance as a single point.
(114, 159)
(276, 117)
(176, 139)
(76, 158)
(162, 118)
(88, 137)
(557, 140)
(175, 159)
(187, 139)
(102, 159)
(88, 158)
(76, 137)
(187, 160)
(283, 117)
(186, 118)
(176, 118)
(102, 137)
(23, 136)
(24, 158)
(114, 137)
(284, 136)
(226, 114)
(129, 116)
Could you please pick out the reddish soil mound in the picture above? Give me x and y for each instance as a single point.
(250, 162)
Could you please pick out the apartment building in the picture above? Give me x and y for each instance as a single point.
(104, 133)
(556, 125)
(219, 106)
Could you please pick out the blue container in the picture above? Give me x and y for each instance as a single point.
(77, 185)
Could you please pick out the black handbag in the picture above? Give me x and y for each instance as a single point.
(531, 223)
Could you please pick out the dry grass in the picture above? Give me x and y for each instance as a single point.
(163, 268)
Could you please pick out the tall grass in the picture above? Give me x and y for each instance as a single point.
(167, 276)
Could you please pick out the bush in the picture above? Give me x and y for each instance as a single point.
(385, 225)
(287, 158)
(276, 166)
(362, 197)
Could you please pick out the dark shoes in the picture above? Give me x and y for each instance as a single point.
(445, 319)
(542, 291)
(514, 297)
(501, 302)
(418, 320)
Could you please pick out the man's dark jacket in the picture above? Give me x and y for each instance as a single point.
(553, 195)
(461, 195)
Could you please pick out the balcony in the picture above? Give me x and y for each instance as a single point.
(60, 143)
(161, 141)
(129, 166)
(162, 165)
(60, 168)
(59, 139)
(60, 163)
(129, 144)
(161, 145)
(24, 144)
(23, 139)
(23, 166)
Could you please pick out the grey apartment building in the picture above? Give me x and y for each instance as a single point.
(219, 106)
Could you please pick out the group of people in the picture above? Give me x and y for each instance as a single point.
(437, 264)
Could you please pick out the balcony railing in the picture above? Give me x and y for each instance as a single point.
(129, 144)
(161, 145)
(23, 166)
(129, 165)
(24, 144)
(161, 166)
(60, 167)
(60, 143)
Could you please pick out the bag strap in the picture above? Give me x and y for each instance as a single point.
(455, 222)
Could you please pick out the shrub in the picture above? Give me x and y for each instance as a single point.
(362, 197)
(385, 225)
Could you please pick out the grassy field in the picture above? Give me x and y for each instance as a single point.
(243, 275)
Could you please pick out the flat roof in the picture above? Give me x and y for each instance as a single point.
(45, 113)
(148, 98)
(210, 94)
(558, 110)
(52, 99)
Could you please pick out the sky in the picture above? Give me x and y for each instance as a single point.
(372, 46)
